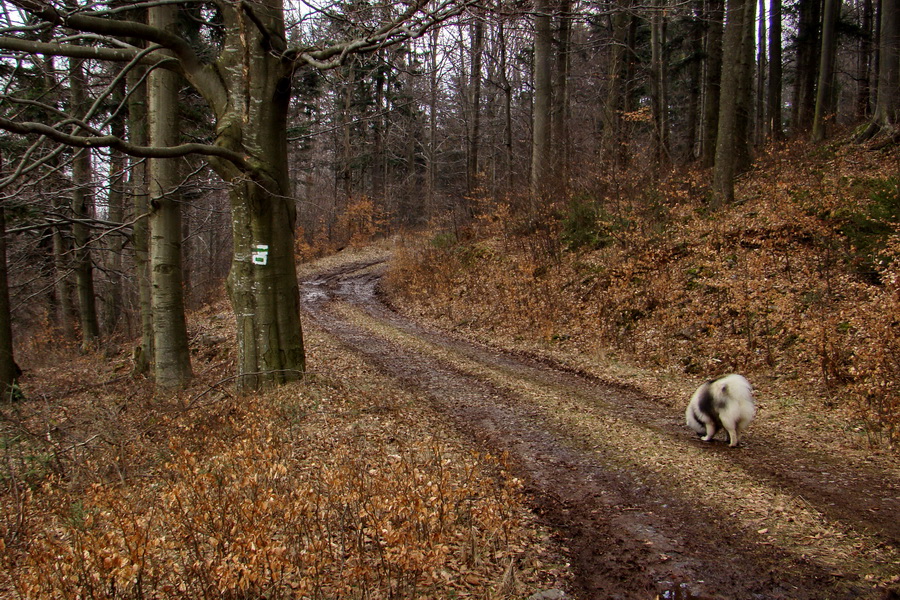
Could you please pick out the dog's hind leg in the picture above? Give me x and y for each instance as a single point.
(711, 431)
(732, 436)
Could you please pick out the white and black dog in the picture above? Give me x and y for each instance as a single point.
(723, 403)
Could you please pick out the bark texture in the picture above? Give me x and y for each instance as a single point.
(171, 360)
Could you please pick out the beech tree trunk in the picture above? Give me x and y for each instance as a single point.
(138, 187)
(262, 283)
(248, 88)
(172, 359)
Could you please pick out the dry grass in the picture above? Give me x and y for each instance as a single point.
(342, 486)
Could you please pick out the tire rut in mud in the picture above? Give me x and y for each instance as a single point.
(626, 535)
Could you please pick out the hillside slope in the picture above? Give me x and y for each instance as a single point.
(795, 285)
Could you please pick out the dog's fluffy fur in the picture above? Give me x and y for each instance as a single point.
(723, 403)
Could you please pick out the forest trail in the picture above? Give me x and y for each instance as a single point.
(641, 507)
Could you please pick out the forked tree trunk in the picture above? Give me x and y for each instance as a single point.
(262, 283)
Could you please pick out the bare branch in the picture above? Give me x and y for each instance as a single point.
(88, 22)
(73, 51)
(111, 141)
(397, 31)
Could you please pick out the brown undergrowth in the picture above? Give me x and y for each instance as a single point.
(796, 284)
(342, 486)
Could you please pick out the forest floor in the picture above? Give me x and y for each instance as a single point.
(637, 503)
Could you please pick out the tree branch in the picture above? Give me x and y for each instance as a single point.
(75, 51)
(86, 21)
(111, 141)
(395, 32)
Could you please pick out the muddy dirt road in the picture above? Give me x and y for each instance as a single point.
(642, 508)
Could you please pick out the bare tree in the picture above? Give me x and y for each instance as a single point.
(247, 86)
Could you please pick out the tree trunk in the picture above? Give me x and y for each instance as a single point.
(82, 201)
(612, 141)
(9, 371)
(825, 89)
(116, 203)
(658, 84)
(712, 82)
(761, 72)
(560, 107)
(475, 90)
(65, 310)
(864, 62)
(773, 112)
(732, 145)
(172, 361)
(808, 46)
(346, 175)
(378, 133)
(507, 110)
(431, 180)
(262, 283)
(541, 141)
(695, 76)
(138, 188)
(886, 117)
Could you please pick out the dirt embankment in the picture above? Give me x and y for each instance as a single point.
(642, 508)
